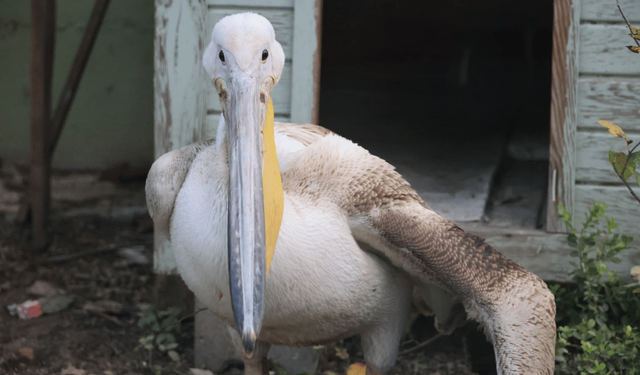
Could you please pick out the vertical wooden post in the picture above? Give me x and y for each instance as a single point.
(180, 93)
(564, 110)
(179, 115)
(42, 43)
(307, 40)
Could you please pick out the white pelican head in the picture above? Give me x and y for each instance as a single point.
(245, 62)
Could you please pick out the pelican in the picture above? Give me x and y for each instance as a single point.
(294, 235)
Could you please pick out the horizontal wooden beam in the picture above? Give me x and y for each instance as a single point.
(607, 11)
(603, 50)
(281, 19)
(592, 156)
(545, 254)
(615, 99)
(252, 4)
(622, 206)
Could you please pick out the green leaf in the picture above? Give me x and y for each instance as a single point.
(612, 157)
(611, 224)
(174, 355)
(619, 162)
(637, 178)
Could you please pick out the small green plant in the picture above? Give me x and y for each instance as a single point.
(599, 316)
(164, 325)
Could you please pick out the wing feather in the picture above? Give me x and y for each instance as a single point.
(384, 212)
(165, 180)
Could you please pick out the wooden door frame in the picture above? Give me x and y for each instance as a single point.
(564, 110)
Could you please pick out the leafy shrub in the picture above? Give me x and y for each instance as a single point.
(164, 325)
(599, 316)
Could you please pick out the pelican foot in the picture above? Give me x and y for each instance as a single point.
(256, 367)
(372, 371)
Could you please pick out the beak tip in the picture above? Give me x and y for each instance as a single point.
(249, 341)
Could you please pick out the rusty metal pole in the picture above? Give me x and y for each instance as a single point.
(42, 43)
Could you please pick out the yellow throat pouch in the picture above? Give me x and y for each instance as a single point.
(273, 193)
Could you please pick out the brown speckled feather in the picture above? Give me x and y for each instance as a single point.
(515, 306)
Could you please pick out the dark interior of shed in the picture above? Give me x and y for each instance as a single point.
(455, 94)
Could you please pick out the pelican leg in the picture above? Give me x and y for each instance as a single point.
(514, 306)
(447, 308)
(257, 364)
(380, 344)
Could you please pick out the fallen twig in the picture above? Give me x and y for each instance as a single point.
(421, 345)
(108, 317)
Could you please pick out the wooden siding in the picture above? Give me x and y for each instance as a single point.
(613, 99)
(603, 51)
(547, 255)
(608, 88)
(251, 5)
(280, 18)
(606, 11)
(592, 156)
(622, 206)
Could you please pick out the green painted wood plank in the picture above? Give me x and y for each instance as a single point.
(607, 11)
(622, 206)
(545, 254)
(592, 156)
(281, 19)
(251, 3)
(612, 99)
(281, 94)
(602, 50)
(306, 61)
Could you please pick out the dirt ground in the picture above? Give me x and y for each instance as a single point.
(95, 227)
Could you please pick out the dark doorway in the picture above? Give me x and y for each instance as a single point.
(455, 94)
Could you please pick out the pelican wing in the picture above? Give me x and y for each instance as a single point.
(385, 213)
(165, 180)
(306, 134)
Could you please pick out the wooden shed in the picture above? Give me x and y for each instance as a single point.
(380, 59)
(489, 108)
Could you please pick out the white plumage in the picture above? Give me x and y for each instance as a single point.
(355, 238)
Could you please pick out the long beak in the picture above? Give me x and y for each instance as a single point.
(246, 208)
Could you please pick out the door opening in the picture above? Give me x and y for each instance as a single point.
(454, 94)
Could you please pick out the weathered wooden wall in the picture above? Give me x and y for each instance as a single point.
(608, 89)
(606, 85)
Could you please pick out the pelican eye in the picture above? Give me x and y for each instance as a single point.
(221, 56)
(265, 54)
